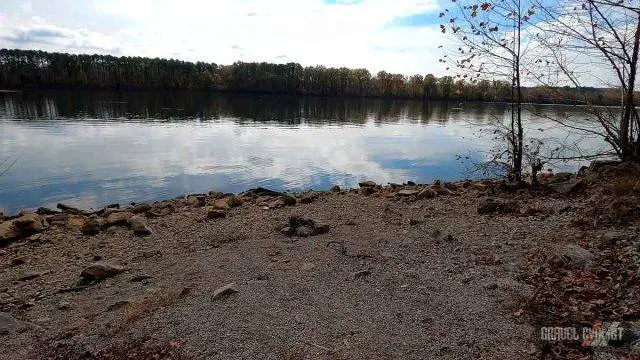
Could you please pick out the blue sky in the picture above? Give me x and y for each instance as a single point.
(398, 36)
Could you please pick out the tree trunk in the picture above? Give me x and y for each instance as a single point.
(629, 148)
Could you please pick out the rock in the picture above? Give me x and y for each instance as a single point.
(117, 218)
(275, 204)
(92, 226)
(141, 208)
(234, 201)
(361, 273)
(367, 184)
(63, 305)
(493, 205)
(567, 187)
(215, 194)
(75, 222)
(196, 200)
(30, 223)
(573, 255)
(478, 186)
(8, 324)
(288, 200)
(29, 275)
(408, 192)
(118, 305)
(139, 225)
(287, 230)
(224, 291)
(262, 192)
(1, 216)
(335, 188)
(367, 190)
(46, 211)
(35, 237)
(140, 278)
(441, 190)
(321, 229)
(598, 165)
(610, 238)
(216, 214)
(8, 231)
(100, 270)
(427, 193)
(309, 198)
(71, 209)
(304, 231)
(58, 218)
(559, 177)
(413, 222)
(20, 260)
(411, 183)
(221, 204)
(111, 230)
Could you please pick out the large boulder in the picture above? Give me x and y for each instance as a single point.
(407, 192)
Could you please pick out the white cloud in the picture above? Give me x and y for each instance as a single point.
(311, 32)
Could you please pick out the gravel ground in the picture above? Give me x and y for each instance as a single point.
(438, 283)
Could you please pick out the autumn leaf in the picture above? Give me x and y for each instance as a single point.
(485, 6)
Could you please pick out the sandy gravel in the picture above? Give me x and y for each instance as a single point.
(439, 283)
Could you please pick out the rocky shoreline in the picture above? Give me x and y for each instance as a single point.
(444, 270)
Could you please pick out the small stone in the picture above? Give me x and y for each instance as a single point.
(118, 218)
(335, 188)
(35, 237)
(139, 225)
(288, 200)
(100, 270)
(367, 184)
(20, 260)
(224, 291)
(321, 229)
(140, 278)
(75, 221)
(367, 190)
(63, 305)
(492, 205)
(91, 226)
(361, 273)
(216, 214)
(574, 255)
(221, 204)
(111, 230)
(29, 275)
(407, 192)
(308, 199)
(427, 193)
(141, 208)
(287, 231)
(234, 201)
(413, 222)
(118, 305)
(304, 231)
(567, 187)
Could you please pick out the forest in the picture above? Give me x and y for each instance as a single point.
(30, 68)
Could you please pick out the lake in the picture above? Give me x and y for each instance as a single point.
(92, 148)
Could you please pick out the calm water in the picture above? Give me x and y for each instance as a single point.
(93, 148)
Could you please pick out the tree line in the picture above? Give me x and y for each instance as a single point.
(30, 68)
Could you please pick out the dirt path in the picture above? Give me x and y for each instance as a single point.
(429, 279)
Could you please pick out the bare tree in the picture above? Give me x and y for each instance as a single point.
(492, 43)
(596, 43)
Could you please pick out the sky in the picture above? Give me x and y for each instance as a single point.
(399, 36)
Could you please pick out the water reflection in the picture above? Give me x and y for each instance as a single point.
(93, 148)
